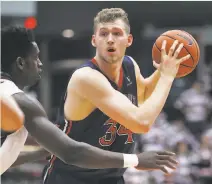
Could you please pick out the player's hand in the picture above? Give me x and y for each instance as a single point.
(170, 62)
(157, 160)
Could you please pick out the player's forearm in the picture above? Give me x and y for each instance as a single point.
(151, 108)
(32, 156)
(69, 150)
(151, 83)
(94, 158)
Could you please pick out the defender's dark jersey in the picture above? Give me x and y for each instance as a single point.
(99, 130)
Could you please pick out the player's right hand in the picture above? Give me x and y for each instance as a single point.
(170, 62)
(157, 160)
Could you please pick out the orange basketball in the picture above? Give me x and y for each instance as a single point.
(12, 117)
(190, 47)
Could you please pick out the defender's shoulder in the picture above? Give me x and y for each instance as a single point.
(8, 87)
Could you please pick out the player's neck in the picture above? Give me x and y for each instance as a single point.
(19, 81)
(112, 71)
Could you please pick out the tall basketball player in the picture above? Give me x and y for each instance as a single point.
(22, 67)
(108, 101)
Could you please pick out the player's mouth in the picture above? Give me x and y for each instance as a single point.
(111, 50)
(40, 73)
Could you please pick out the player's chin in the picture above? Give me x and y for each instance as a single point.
(35, 80)
(113, 60)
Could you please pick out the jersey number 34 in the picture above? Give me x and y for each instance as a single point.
(113, 131)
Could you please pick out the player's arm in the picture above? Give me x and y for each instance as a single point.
(31, 156)
(151, 83)
(145, 86)
(93, 86)
(58, 143)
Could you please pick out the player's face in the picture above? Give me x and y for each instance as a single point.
(33, 65)
(111, 41)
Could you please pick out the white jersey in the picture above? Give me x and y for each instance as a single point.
(14, 143)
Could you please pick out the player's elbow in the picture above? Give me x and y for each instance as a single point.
(137, 126)
(140, 126)
(141, 129)
(142, 123)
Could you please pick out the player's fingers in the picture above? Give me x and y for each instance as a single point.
(162, 168)
(166, 157)
(184, 59)
(156, 65)
(166, 153)
(165, 163)
(163, 48)
(176, 53)
(171, 50)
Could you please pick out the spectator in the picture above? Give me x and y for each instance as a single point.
(196, 106)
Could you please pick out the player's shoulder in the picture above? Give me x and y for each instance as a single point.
(136, 67)
(86, 74)
(8, 87)
(131, 59)
(30, 106)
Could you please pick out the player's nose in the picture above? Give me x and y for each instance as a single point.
(40, 64)
(110, 39)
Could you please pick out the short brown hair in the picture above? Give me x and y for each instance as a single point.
(110, 15)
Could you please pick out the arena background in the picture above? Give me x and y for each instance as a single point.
(64, 32)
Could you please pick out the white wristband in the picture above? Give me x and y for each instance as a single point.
(130, 160)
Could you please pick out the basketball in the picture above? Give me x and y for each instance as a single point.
(11, 115)
(190, 47)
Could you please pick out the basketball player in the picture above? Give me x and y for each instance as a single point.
(108, 101)
(22, 67)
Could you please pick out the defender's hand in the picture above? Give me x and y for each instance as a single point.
(156, 160)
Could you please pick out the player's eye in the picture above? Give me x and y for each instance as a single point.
(117, 34)
(103, 34)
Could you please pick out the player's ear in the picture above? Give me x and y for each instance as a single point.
(20, 62)
(129, 40)
(93, 40)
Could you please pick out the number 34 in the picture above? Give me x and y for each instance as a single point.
(110, 136)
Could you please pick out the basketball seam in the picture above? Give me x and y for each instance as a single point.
(183, 47)
(195, 42)
(186, 66)
(157, 47)
(180, 64)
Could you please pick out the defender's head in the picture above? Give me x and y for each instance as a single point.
(111, 34)
(20, 55)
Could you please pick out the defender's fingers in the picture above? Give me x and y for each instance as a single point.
(162, 168)
(166, 157)
(166, 153)
(165, 163)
